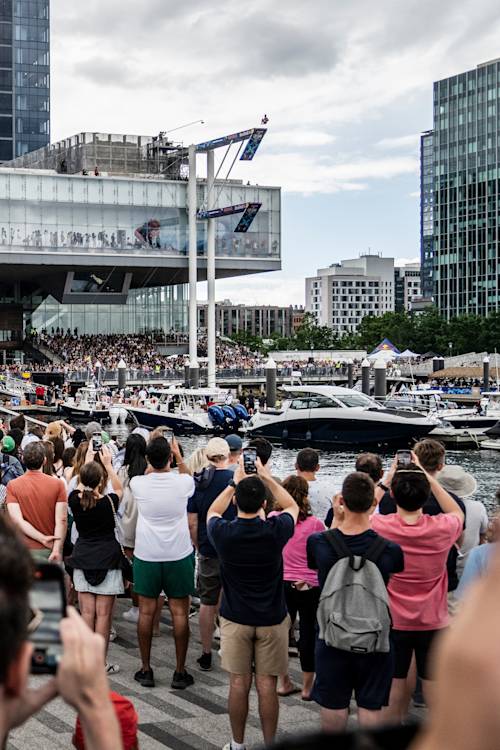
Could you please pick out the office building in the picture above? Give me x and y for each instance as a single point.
(94, 235)
(407, 286)
(341, 295)
(427, 214)
(466, 155)
(258, 320)
(24, 77)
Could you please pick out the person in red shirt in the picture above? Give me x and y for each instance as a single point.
(418, 595)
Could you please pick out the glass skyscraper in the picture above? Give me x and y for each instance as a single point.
(24, 77)
(426, 214)
(466, 155)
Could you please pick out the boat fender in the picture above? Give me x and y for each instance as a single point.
(284, 434)
(308, 436)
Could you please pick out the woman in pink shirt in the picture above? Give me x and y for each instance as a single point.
(301, 584)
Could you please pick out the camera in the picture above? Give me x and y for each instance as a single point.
(47, 603)
(249, 460)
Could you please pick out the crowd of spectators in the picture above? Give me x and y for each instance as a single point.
(265, 554)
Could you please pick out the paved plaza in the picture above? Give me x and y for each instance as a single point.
(177, 719)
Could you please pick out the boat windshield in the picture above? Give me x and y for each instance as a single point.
(355, 399)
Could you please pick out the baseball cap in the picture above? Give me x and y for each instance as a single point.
(217, 447)
(93, 428)
(53, 430)
(8, 444)
(235, 443)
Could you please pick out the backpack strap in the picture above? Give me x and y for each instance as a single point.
(334, 539)
(377, 548)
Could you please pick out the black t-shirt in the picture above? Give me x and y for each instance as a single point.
(200, 503)
(388, 505)
(250, 554)
(321, 556)
(95, 522)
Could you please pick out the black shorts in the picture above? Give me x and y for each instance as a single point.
(339, 673)
(209, 582)
(409, 642)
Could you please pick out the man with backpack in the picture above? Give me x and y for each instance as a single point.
(353, 650)
(209, 484)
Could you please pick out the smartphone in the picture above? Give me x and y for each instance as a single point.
(403, 459)
(48, 607)
(249, 460)
(167, 433)
(96, 442)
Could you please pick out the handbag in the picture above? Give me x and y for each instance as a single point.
(126, 566)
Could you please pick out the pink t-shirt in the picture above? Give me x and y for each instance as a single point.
(418, 595)
(295, 554)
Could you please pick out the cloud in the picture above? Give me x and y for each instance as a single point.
(405, 142)
(299, 138)
(265, 289)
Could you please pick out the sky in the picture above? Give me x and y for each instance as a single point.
(347, 87)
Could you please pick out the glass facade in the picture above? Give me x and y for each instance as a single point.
(122, 217)
(466, 153)
(157, 308)
(427, 214)
(24, 76)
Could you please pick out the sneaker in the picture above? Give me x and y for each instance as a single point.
(112, 668)
(145, 677)
(205, 662)
(131, 615)
(182, 680)
(112, 634)
(228, 746)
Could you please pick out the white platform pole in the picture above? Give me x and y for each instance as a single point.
(193, 258)
(211, 273)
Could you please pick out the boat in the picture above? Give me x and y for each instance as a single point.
(86, 405)
(434, 402)
(189, 411)
(328, 416)
(16, 388)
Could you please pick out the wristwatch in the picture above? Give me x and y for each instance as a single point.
(231, 483)
(383, 486)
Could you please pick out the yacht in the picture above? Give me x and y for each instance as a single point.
(85, 405)
(194, 411)
(434, 402)
(330, 416)
(16, 388)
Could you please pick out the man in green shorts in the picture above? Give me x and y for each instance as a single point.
(163, 554)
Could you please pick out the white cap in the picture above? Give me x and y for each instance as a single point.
(121, 364)
(365, 363)
(380, 364)
(217, 447)
(270, 364)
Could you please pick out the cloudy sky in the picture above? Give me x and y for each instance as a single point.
(347, 87)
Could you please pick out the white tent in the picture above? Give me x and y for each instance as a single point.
(408, 354)
(386, 355)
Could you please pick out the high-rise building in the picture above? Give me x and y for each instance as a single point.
(466, 156)
(407, 286)
(24, 77)
(427, 214)
(343, 294)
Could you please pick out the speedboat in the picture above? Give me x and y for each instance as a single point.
(194, 411)
(16, 388)
(86, 405)
(433, 401)
(330, 416)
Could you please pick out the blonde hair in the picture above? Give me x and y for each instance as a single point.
(197, 461)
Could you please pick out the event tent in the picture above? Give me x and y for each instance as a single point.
(408, 354)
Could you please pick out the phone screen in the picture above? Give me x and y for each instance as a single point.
(249, 459)
(404, 458)
(48, 607)
(96, 442)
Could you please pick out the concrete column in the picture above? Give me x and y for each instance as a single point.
(486, 373)
(194, 374)
(365, 377)
(380, 368)
(122, 374)
(270, 368)
(350, 373)
(193, 257)
(435, 364)
(211, 271)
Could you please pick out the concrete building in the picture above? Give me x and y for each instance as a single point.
(341, 295)
(105, 250)
(407, 286)
(466, 172)
(24, 76)
(257, 320)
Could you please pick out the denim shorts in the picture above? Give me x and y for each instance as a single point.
(111, 586)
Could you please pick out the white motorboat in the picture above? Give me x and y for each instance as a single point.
(189, 411)
(86, 405)
(16, 388)
(331, 416)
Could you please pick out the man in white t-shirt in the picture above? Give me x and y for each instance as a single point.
(320, 493)
(163, 554)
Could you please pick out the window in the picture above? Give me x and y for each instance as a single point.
(321, 402)
(355, 399)
(300, 403)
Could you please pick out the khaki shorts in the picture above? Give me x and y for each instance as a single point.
(209, 583)
(245, 647)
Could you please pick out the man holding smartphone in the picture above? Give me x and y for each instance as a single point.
(254, 620)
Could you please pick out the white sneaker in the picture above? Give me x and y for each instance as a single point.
(112, 634)
(112, 668)
(131, 615)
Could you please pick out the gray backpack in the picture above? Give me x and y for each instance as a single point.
(353, 612)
